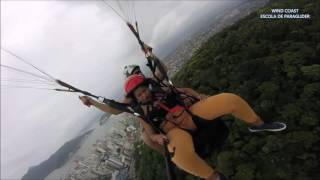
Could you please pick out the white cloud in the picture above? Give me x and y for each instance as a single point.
(171, 22)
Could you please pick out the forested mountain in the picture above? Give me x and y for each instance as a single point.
(274, 65)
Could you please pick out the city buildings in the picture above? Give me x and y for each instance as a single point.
(111, 157)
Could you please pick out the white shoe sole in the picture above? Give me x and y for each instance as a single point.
(271, 130)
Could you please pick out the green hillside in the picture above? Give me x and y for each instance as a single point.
(274, 65)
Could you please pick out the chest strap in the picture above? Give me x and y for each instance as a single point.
(171, 110)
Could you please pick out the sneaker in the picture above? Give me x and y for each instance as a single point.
(274, 126)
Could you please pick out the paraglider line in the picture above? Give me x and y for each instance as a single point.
(25, 80)
(28, 87)
(26, 72)
(115, 11)
(23, 60)
(122, 10)
(31, 82)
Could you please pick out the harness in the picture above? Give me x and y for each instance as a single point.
(165, 100)
(209, 136)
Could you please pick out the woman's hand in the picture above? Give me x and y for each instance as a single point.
(146, 48)
(159, 138)
(86, 100)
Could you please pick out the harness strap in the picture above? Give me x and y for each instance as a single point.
(171, 110)
(180, 105)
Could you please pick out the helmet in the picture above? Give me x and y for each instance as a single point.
(133, 82)
(129, 69)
